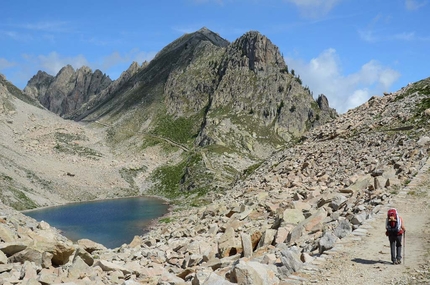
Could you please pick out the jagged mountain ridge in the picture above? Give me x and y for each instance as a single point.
(204, 93)
(68, 90)
(145, 85)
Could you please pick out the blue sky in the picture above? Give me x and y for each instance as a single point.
(348, 50)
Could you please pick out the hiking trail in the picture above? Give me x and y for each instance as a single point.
(364, 257)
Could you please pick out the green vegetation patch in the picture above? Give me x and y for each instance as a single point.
(11, 195)
(68, 138)
(188, 177)
(422, 87)
(76, 149)
(148, 142)
(166, 220)
(5, 177)
(23, 201)
(251, 169)
(168, 178)
(180, 130)
(67, 143)
(423, 105)
(34, 178)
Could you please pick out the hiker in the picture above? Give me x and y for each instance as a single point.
(394, 230)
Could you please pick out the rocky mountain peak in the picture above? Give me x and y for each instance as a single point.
(68, 69)
(68, 90)
(84, 69)
(257, 52)
(133, 68)
(190, 41)
(38, 84)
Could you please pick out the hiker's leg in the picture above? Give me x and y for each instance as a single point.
(392, 240)
(399, 247)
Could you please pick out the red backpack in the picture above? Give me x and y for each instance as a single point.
(393, 223)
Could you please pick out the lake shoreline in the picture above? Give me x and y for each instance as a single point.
(130, 216)
(167, 201)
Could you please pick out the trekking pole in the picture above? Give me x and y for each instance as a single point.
(404, 247)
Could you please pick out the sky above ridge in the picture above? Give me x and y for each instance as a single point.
(348, 50)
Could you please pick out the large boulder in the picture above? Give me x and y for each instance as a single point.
(254, 273)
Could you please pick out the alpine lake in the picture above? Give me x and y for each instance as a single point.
(109, 222)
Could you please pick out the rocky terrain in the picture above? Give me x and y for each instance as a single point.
(310, 213)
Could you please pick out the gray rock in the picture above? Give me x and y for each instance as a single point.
(204, 277)
(246, 244)
(6, 234)
(327, 241)
(337, 202)
(10, 248)
(28, 254)
(3, 258)
(343, 229)
(291, 261)
(358, 219)
(110, 266)
(254, 273)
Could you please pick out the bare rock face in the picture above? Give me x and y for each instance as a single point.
(247, 79)
(103, 94)
(68, 90)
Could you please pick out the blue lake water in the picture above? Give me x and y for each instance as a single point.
(109, 222)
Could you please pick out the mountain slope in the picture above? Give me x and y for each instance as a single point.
(9, 91)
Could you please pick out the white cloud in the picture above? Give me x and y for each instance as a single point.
(112, 64)
(47, 26)
(4, 63)
(372, 37)
(117, 58)
(314, 8)
(21, 37)
(115, 63)
(323, 75)
(405, 36)
(414, 4)
(53, 62)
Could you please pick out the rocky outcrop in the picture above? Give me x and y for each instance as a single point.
(68, 90)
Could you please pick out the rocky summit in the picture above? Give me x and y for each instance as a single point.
(276, 207)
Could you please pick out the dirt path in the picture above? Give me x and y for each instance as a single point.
(364, 256)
